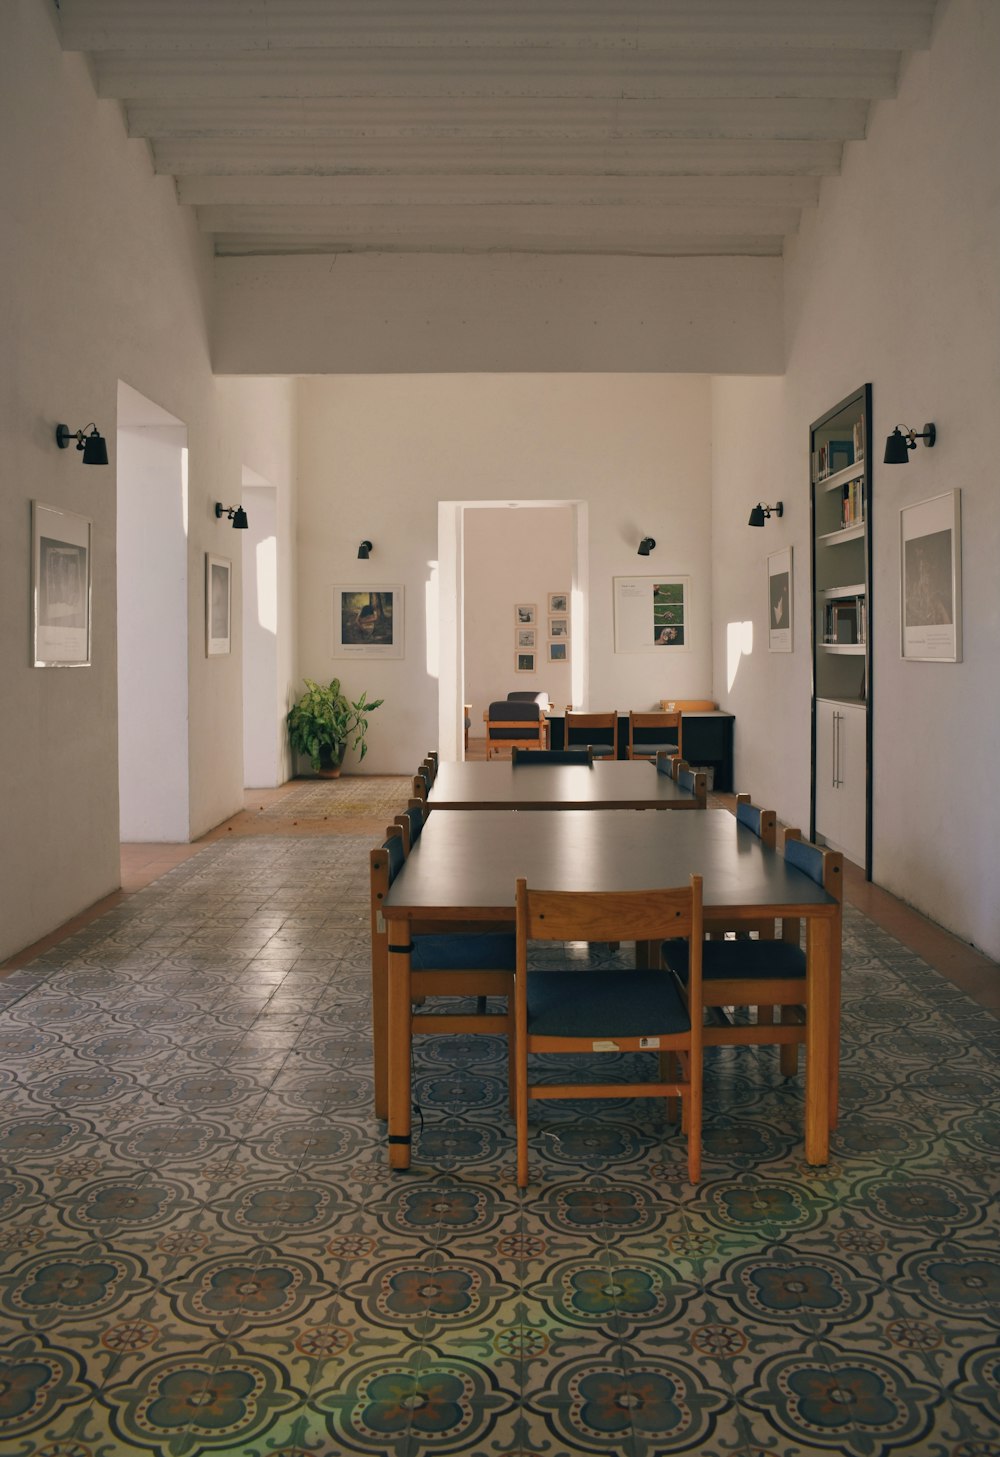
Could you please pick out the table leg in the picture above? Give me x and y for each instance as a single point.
(819, 1037)
(398, 1044)
(836, 958)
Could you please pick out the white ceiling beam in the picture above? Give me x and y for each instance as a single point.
(696, 246)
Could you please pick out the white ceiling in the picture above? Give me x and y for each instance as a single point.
(644, 127)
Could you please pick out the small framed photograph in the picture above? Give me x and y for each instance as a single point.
(60, 588)
(558, 602)
(526, 637)
(368, 622)
(930, 571)
(558, 652)
(218, 604)
(779, 601)
(526, 614)
(524, 663)
(559, 627)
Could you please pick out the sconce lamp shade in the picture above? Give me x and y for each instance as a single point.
(236, 514)
(93, 446)
(903, 440)
(646, 545)
(760, 513)
(364, 551)
(756, 516)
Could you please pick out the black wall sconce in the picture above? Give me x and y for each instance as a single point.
(903, 440)
(646, 545)
(364, 551)
(236, 514)
(761, 513)
(94, 445)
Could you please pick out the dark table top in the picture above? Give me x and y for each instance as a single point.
(469, 860)
(605, 784)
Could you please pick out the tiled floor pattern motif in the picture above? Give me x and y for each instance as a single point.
(326, 799)
(203, 1251)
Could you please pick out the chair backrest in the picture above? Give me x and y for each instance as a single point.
(525, 695)
(411, 822)
(552, 756)
(761, 822)
(515, 721)
(825, 867)
(668, 763)
(694, 780)
(647, 915)
(648, 732)
(598, 730)
(420, 787)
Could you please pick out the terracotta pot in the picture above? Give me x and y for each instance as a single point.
(331, 761)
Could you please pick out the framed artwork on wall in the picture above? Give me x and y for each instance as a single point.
(525, 614)
(652, 614)
(218, 605)
(60, 588)
(524, 663)
(930, 579)
(559, 627)
(526, 637)
(779, 601)
(559, 652)
(558, 602)
(368, 622)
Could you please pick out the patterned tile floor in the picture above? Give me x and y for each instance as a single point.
(202, 1250)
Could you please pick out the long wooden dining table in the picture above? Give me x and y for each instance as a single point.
(464, 865)
(605, 784)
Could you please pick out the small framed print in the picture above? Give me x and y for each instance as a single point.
(524, 663)
(930, 572)
(559, 627)
(60, 588)
(368, 622)
(526, 637)
(558, 652)
(558, 602)
(779, 601)
(525, 614)
(218, 604)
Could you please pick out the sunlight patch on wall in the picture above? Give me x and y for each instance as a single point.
(267, 584)
(739, 645)
(431, 611)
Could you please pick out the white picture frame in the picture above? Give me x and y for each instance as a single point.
(368, 621)
(524, 662)
(525, 637)
(61, 577)
(525, 614)
(558, 604)
(559, 651)
(559, 628)
(218, 605)
(930, 579)
(652, 614)
(779, 601)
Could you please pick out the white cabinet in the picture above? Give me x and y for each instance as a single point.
(841, 776)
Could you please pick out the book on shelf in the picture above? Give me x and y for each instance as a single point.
(852, 507)
(844, 622)
(859, 439)
(839, 454)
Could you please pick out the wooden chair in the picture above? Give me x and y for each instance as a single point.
(551, 756)
(573, 1011)
(597, 731)
(650, 732)
(430, 765)
(410, 822)
(421, 783)
(694, 780)
(467, 715)
(447, 961)
(763, 973)
(515, 722)
(764, 824)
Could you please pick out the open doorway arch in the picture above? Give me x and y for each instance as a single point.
(451, 607)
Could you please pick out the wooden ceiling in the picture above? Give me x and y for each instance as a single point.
(645, 127)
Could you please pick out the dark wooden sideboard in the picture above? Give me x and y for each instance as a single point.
(707, 741)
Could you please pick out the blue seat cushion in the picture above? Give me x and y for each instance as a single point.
(490, 951)
(599, 1004)
(652, 749)
(754, 960)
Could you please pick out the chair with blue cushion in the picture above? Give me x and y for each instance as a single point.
(596, 731)
(571, 1010)
(411, 822)
(515, 722)
(695, 781)
(762, 972)
(447, 961)
(551, 756)
(648, 733)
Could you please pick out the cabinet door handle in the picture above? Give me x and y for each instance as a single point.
(837, 781)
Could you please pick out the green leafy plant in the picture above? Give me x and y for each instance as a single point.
(324, 721)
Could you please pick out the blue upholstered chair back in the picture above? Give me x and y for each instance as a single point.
(394, 849)
(749, 815)
(805, 857)
(551, 756)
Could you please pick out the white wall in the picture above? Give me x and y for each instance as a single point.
(511, 557)
(896, 280)
(378, 453)
(107, 279)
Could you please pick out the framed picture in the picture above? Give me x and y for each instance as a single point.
(558, 602)
(526, 637)
(524, 663)
(559, 627)
(525, 614)
(930, 572)
(652, 614)
(60, 588)
(558, 652)
(218, 604)
(368, 622)
(779, 601)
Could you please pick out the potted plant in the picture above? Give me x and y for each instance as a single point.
(324, 721)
